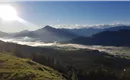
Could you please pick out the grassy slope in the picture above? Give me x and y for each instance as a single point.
(13, 68)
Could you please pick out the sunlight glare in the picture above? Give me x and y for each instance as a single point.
(8, 13)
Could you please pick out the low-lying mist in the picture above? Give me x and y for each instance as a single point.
(32, 42)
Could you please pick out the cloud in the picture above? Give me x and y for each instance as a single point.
(57, 20)
(77, 26)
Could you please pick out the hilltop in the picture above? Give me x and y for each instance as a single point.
(14, 68)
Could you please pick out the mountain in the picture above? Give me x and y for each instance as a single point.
(46, 34)
(107, 38)
(92, 30)
(116, 28)
(2, 34)
(84, 31)
(50, 34)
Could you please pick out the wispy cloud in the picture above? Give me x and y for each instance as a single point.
(57, 20)
(77, 26)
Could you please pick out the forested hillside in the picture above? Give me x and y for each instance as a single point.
(76, 64)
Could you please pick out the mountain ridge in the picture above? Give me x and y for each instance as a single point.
(107, 38)
(50, 34)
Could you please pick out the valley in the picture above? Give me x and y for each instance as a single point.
(80, 60)
(113, 50)
(74, 57)
(64, 40)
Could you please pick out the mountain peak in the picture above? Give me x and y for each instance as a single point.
(48, 27)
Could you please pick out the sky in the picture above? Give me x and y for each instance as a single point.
(40, 13)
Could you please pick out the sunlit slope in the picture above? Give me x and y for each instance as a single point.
(13, 68)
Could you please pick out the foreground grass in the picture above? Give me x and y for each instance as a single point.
(13, 68)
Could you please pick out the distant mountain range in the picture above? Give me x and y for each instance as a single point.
(2, 34)
(45, 34)
(91, 30)
(107, 38)
(50, 34)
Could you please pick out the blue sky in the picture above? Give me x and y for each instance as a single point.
(73, 12)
